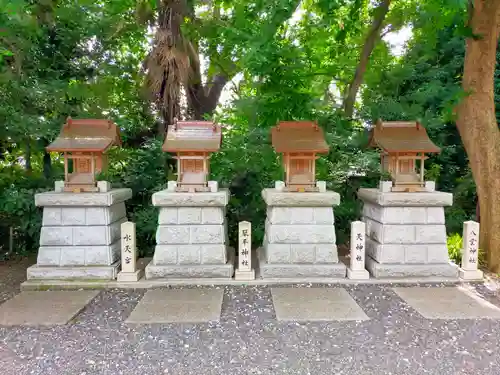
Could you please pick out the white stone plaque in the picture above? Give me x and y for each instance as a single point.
(279, 185)
(356, 268)
(171, 185)
(244, 271)
(128, 247)
(213, 186)
(129, 254)
(321, 185)
(470, 252)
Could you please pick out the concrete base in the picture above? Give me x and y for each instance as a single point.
(299, 235)
(469, 275)
(80, 235)
(378, 270)
(130, 276)
(357, 274)
(46, 273)
(303, 270)
(191, 236)
(406, 234)
(244, 275)
(188, 271)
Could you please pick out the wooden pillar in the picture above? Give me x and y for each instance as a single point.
(92, 166)
(422, 158)
(66, 167)
(396, 167)
(313, 167)
(287, 163)
(178, 167)
(205, 169)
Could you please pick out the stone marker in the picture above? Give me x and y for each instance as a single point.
(244, 271)
(129, 271)
(356, 268)
(470, 252)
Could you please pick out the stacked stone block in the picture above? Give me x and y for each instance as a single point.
(191, 236)
(406, 234)
(300, 235)
(80, 235)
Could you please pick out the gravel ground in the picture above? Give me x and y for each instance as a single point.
(12, 274)
(249, 340)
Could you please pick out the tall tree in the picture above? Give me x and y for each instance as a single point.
(477, 123)
(372, 37)
(222, 35)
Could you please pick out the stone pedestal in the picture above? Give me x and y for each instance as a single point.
(406, 234)
(300, 236)
(80, 235)
(191, 237)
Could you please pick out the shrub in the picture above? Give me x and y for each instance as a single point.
(454, 244)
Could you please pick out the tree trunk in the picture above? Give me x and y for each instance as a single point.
(371, 39)
(47, 165)
(477, 123)
(203, 100)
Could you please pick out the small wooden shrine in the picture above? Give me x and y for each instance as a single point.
(84, 143)
(193, 142)
(402, 144)
(299, 142)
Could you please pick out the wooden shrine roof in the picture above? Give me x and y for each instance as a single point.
(298, 136)
(198, 136)
(86, 135)
(401, 136)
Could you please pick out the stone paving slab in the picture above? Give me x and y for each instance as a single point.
(178, 306)
(315, 304)
(44, 308)
(249, 340)
(448, 303)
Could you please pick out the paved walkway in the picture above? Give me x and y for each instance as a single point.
(304, 329)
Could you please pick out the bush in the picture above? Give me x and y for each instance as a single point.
(18, 210)
(145, 171)
(454, 244)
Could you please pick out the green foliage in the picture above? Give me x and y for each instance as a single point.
(144, 171)
(84, 59)
(18, 210)
(454, 244)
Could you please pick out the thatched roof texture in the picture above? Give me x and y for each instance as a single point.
(401, 137)
(194, 136)
(298, 136)
(86, 135)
